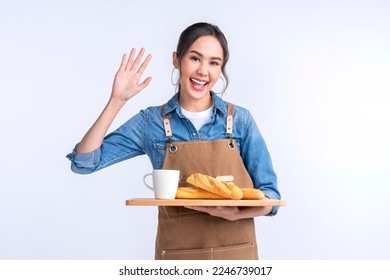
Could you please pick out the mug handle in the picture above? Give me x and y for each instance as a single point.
(146, 175)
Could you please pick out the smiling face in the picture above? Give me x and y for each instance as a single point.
(200, 68)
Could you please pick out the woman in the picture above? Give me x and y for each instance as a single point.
(206, 135)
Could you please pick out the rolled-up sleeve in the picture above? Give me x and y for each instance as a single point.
(125, 142)
(257, 159)
(84, 163)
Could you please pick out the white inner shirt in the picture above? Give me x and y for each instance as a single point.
(198, 119)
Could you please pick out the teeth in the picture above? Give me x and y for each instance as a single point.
(198, 82)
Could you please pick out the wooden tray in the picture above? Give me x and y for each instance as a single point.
(202, 202)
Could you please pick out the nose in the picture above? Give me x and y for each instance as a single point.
(202, 69)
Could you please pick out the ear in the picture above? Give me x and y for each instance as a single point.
(175, 60)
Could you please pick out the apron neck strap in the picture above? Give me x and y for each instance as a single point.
(167, 124)
(229, 121)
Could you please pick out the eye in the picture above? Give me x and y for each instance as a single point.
(214, 63)
(195, 58)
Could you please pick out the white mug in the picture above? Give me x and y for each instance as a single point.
(165, 183)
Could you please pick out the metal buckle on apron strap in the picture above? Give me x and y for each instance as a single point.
(172, 148)
(168, 133)
(229, 126)
(231, 144)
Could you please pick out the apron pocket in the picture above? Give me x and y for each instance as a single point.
(236, 252)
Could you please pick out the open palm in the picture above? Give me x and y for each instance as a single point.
(127, 79)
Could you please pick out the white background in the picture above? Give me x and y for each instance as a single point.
(315, 75)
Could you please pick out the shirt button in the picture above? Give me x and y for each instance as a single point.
(194, 134)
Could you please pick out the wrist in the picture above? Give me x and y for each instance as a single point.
(116, 102)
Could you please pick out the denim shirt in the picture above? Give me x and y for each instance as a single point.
(144, 134)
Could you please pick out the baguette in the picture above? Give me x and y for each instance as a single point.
(252, 193)
(215, 186)
(235, 192)
(198, 193)
(195, 193)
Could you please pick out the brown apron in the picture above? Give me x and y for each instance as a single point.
(186, 234)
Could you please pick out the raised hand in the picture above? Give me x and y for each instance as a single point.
(126, 85)
(127, 79)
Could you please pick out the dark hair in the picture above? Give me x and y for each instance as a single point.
(193, 32)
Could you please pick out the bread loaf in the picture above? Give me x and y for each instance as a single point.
(251, 193)
(195, 193)
(215, 186)
(198, 193)
(235, 192)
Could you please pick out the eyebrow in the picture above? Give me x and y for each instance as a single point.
(201, 55)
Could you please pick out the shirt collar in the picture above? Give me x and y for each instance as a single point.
(173, 104)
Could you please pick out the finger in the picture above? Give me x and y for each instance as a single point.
(198, 208)
(145, 83)
(202, 208)
(123, 62)
(130, 60)
(144, 64)
(138, 59)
